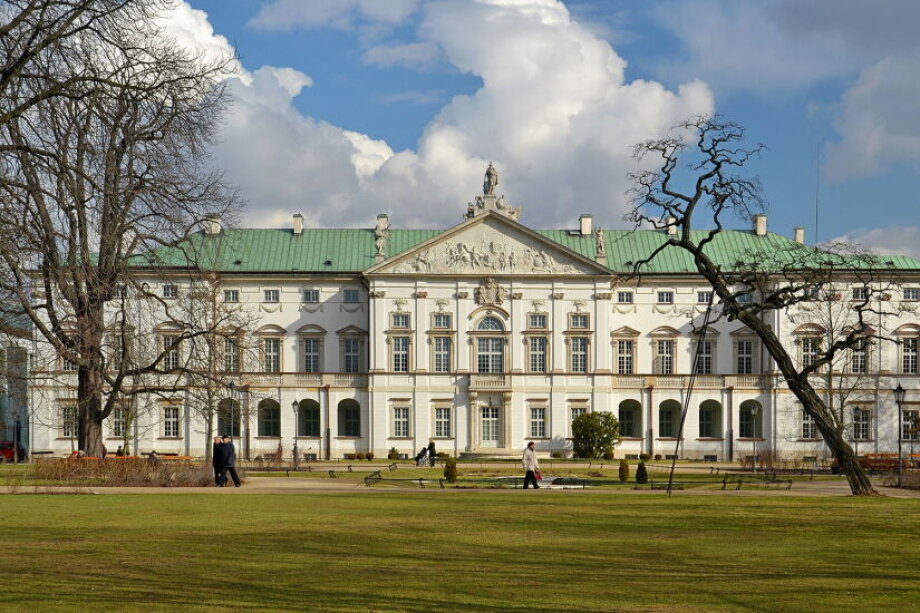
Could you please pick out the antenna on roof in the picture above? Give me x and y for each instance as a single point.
(817, 186)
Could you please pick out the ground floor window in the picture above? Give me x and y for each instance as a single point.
(710, 419)
(668, 418)
(401, 422)
(69, 422)
(537, 422)
(630, 418)
(349, 418)
(308, 418)
(910, 427)
(171, 422)
(750, 419)
(442, 422)
(269, 418)
(861, 424)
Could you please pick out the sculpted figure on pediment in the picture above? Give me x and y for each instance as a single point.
(490, 292)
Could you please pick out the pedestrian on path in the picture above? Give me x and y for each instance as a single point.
(531, 466)
(217, 459)
(229, 461)
(432, 455)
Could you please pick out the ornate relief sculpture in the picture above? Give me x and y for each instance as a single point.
(490, 292)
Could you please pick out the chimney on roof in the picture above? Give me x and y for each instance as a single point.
(584, 223)
(298, 224)
(212, 224)
(672, 225)
(760, 225)
(799, 235)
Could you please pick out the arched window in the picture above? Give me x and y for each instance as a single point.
(228, 417)
(349, 418)
(630, 419)
(668, 418)
(491, 324)
(269, 418)
(308, 418)
(750, 419)
(710, 419)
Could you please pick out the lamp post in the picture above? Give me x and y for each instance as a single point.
(899, 399)
(294, 406)
(755, 409)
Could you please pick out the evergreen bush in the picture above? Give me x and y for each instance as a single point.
(450, 470)
(641, 473)
(393, 454)
(624, 470)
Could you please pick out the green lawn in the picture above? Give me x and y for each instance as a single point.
(457, 551)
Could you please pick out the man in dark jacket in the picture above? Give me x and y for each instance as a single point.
(229, 460)
(217, 459)
(432, 452)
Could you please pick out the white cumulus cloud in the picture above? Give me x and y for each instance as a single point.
(287, 14)
(554, 112)
(894, 240)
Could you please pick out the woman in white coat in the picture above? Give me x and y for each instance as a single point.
(531, 466)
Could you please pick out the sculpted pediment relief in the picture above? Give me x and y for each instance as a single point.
(490, 248)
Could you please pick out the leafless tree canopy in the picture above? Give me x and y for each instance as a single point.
(693, 181)
(104, 133)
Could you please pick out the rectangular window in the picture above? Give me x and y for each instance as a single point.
(859, 358)
(442, 422)
(171, 348)
(625, 297)
(537, 422)
(401, 321)
(861, 424)
(629, 426)
(401, 422)
(860, 293)
(69, 422)
(231, 295)
(910, 426)
(909, 356)
(749, 425)
(704, 358)
(490, 357)
(706, 425)
(665, 297)
(171, 422)
(667, 423)
(537, 351)
(271, 355)
(809, 429)
(401, 354)
(912, 293)
(576, 411)
(579, 354)
(351, 355)
(625, 357)
(810, 348)
(747, 298)
(119, 422)
(170, 291)
(442, 354)
(231, 354)
(311, 296)
(579, 322)
(442, 321)
(311, 355)
(664, 357)
(704, 297)
(352, 295)
(537, 321)
(271, 295)
(744, 350)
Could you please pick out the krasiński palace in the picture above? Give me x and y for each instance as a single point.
(484, 336)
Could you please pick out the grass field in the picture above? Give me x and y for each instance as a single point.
(457, 551)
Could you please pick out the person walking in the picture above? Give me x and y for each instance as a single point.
(229, 461)
(217, 459)
(432, 455)
(531, 466)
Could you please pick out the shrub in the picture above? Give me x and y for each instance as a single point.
(442, 455)
(131, 471)
(609, 455)
(624, 470)
(450, 470)
(393, 454)
(657, 456)
(556, 455)
(370, 455)
(360, 456)
(645, 457)
(349, 456)
(641, 473)
(594, 434)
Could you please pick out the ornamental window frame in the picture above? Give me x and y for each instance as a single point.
(311, 337)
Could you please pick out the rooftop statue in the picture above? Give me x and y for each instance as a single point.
(491, 181)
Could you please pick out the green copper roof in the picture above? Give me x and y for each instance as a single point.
(352, 250)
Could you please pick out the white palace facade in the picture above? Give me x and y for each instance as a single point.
(485, 336)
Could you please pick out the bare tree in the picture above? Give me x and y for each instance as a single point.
(692, 181)
(96, 190)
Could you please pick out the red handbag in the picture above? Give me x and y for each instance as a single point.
(538, 475)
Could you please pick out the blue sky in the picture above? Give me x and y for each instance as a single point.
(347, 108)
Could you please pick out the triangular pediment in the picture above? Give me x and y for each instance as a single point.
(489, 244)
